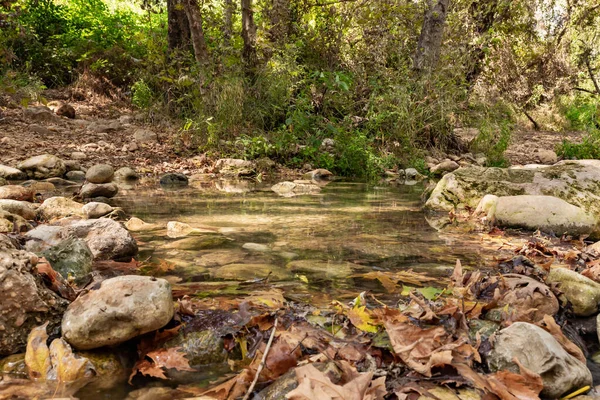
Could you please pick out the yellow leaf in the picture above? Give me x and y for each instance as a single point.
(37, 355)
(66, 367)
(361, 318)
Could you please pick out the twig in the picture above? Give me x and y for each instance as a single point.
(262, 362)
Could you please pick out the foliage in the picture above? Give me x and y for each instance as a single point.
(582, 113)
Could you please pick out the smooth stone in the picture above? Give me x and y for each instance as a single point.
(13, 223)
(100, 173)
(77, 176)
(583, 293)
(327, 269)
(445, 166)
(107, 239)
(126, 173)
(173, 179)
(538, 351)
(290, 189)
(318, 174)
(39, 114)
(59, 207)
(93, 210)
(235, 167)
(12, 174)
(43, 237)
(199, 242)
(42, 187)
(245, 272)
(547, 156)
(91, 190)
(137, 225)
(73, 165)
(72, 258)
(220, 257)
(121, 309)
(16, 192)
(176, 229)
(258, 247)
(145, 135)
(79, 155)
(43, 166)
(22, 208)
(26, 302)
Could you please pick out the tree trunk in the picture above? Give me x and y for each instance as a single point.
(484, 16)
(192, 10)
(249, 36)
(228, 10)
(279, 18)
(178, 25)
(432, 33)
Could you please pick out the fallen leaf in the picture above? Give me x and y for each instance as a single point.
(37, 354)
(361, 318)
(552, 327)
(66, 366)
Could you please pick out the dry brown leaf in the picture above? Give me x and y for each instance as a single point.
(170, 358)
(552, 327)
(66, 366)
(37, 354)
(54, 280)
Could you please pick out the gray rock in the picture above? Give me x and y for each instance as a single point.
(44, 166)
(547, 156)
(445, 166)
(296, 188)
(200, 348)
(44, 237)
(94, 209)
(91, 190)
(258, 247)
(235, 167)
(173, 179)
(40, 114)
(100, 173)
(40, 130)
(145, 136)
(78, 155)
(71, 258)
(26, 302)
(107, 239)
(12, 174)
(318, 174)
(583, 293)
(104, 126)
(126, 173)
(466, 136)
(59, 207)
(121, 309)
(412, 174)
(538, 351)
(72, 165)
(547, 213)
(77, 176)
(22, 208)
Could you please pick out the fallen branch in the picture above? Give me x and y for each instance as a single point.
(262, 362)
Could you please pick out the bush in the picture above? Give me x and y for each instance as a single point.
(583, 113)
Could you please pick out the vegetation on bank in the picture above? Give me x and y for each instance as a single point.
(386, 80)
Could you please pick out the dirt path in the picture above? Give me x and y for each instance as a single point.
(525, 144)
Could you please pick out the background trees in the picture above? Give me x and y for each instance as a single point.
(384, 78)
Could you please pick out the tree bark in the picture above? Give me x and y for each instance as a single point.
(249, 36)
(192, 10)
(432, 33)
(279, 16)
(484, 15)
(178, 25)
(228, 10)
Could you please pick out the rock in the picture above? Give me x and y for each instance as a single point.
(59, 207)
(39, 114)
(121, 309)
(318, 174)
(78, 155)
(93, 210)
(412, 174)
(198, 242)
(200, 348)
(42, 187)
(126, 173)
(137, 225)
(22, 208)
(296, 188)
(176, 229)
(289, 381)
(173, 179)
(26, 301)
(145, 136)
(583, 293)
(575, 182)
(16, 192)
(43, 237)
(66, 110)
(12, 174)
(77, 176)
(328, 144)
(445, 166)
(40, 130)
(235, 167)
(594, 248)
(547, 156)
(324, 269)
(538, 351)
(107, 239)
(104, 126)
(265, 164)
(528, 296)
(91, 190)
(73, 165)
(12, 222)
(71, 258)
(466, 136)
(100, 173)
(245, 272)
(220, 257)
(3, 182)
(546, 213)
(258, 247)
(44, 166)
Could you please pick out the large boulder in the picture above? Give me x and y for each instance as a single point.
(26, 301)
(538, 351)
(582, 292)
(21, 208)
(11, 173)
(91, 190)
(120, 309)
(100, 173)
(59, 207)
(16, 192)
(42, 167)
(575, 182)
(547, 213)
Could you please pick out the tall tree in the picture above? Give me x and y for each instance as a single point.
(178, 25)
(279, 17)
(429, 44)
(192, 10)
(249, 36)
(228, 10)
